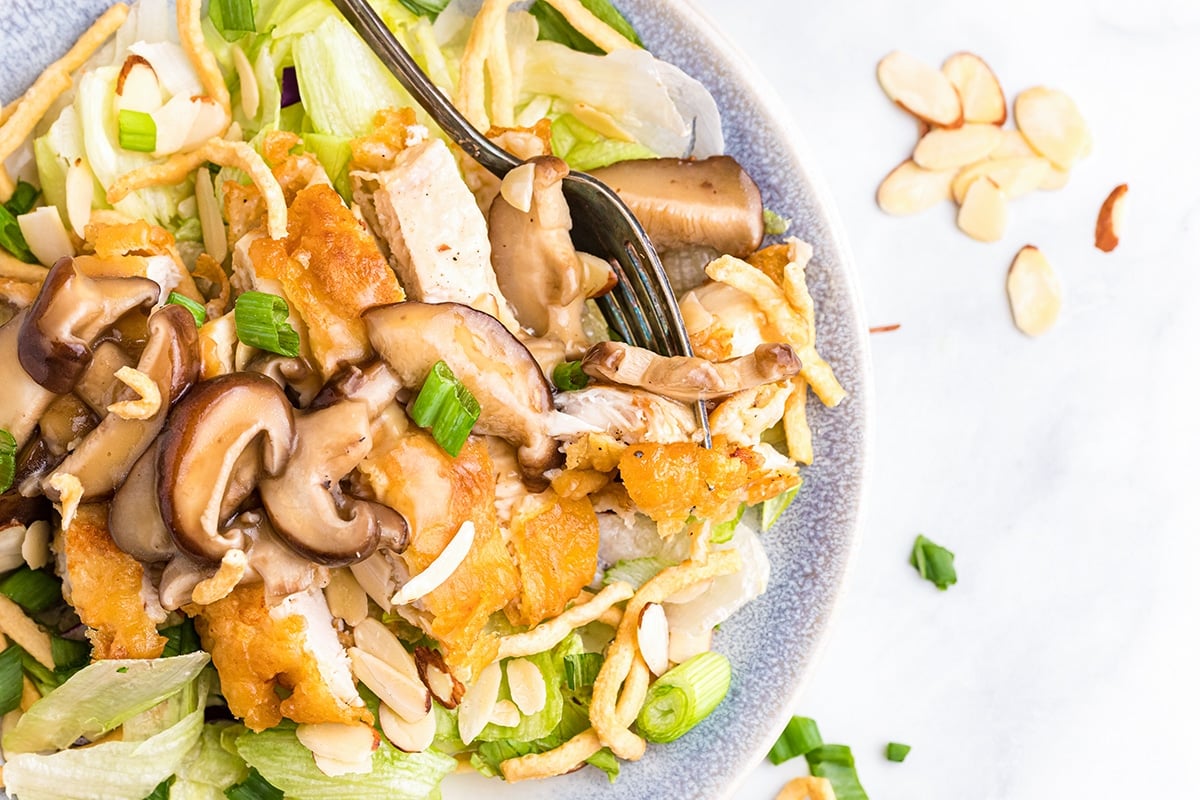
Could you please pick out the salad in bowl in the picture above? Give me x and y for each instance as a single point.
(323, 472)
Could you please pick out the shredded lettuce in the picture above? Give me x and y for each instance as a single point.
(100, 697)
(636, 571)
(542, 723)
(584, 148)
(285, 763)
(334, 154)
(553, 26)
(212, 765)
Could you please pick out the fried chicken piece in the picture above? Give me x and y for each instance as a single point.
(670, 482)
(555, 540)
(292, 646)
(108, 589)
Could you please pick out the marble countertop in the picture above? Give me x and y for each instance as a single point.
(1061, 471)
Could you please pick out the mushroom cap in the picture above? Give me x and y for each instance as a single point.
(218, 441)
(134, 521)
(71, 310)
(514, 397)
(682, 202)
(23, 400)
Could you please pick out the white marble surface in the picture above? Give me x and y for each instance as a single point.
(1061, 471)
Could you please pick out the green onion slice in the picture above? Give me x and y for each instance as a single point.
(23, 199)
(580, 670)
(32, 589)
(684, 696)
(69, 654)
(934, 562)
(261, 321)
(8, 460)
(569, 376)
(799, 738)
(11, 675)
(136, 131)
(724, 532)
(232, 18)
(775, 224)
(445, 408)
(191, 305)
(835, 763)
(773, 508)
(255, 787)
(897, 752)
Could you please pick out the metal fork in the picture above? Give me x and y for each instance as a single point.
(641, 309)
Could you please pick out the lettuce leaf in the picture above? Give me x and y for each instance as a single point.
(212, 765)
(553, 26)
(542, 723)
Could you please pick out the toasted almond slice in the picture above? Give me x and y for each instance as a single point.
(432, 669)
(685, 643)
(1012, 145)
(653, 636)
(35, 547)
(46, 235)
(978, 89)
(347, 600)
(247, 82)
(138, 88)
(1052, 124)
(908, 189)
(475, 710)
(1111, 221)
(984, 212)
(957, 147)
(212, 225)
(209, 122)
(1014, 176)
(920, 90)
(411, 737)
(1055, 179)
(373, 636)
(336, 769)
(517, 187)
(410, 699)
(506, 714)
(80, 189)
(338, 741)
(440, 568)
(526, 685)
(1034, 293)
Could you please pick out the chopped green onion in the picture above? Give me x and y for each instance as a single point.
(934, 562)
(232, 18)
(684, 696)
(724, 532)
(11, 238)
(255, 787)
(897, 752)
(261, 321)
(11, 674)
(69, 654)
(23, 199)
(446, 408)
(799, 738)
(553, 26)
(162, 791)
(191, 305)
(773, 508)
(775, 224)
(136, 131)
(635, 571)
(32, 589)
(8, 460)
(426, 8)
(46, 680)
(580, 670)
(181, 639)
(569, 376)
(835, 763)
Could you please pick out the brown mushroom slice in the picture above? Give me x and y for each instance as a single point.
(55, 341)
(97, 386)
(171, 360)
(305, 503)
(535, 261)
(134, 520)
(223, 436)
(683, 203)
(512, 392)
(689, 378)
(372, 384)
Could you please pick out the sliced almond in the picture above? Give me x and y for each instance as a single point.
(1052, 124)
(978, 89)
(920, 90)
(440, 568)
(35, 547)
(247, 82)
(80, 189)
(138, 88)
(408, 698)
(475, 710)
(411, 737)
(346, 598)
(942, 149)
(372, 636)
(526, 685)
(1111, 222)
(336, 769)
(908, 189)
(984, 213)
(686, 643)
(209, 122)
(337, 741)
(172, 124)
(212, 224)
(506, 714)
(653, 637)
(46, 235)
(1014, 176)
(1034, 293)
(517, 187)
(1055, 179)
(432, 669)
(1012, 145)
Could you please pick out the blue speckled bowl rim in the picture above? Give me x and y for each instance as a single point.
(775, 641)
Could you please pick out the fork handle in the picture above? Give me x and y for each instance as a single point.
(379, 38)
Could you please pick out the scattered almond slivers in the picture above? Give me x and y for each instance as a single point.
(475, 710)
(1111, 221)
(909, 189)
(920, 90)
(1014, 176)
(1052, 124)
(978, 89)
(984, 212)
(1034, 293)
(526, 685)
(942, 148)
(653, 637)
(411, 737)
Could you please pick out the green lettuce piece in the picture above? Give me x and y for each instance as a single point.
(584, 148)
(212, 765)
(342, 83)
(285, 763)
(541, 724)
(445, 738)
(100, 697)
(334, 154)
(773, 508)
(636, 571)
(553, 26)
